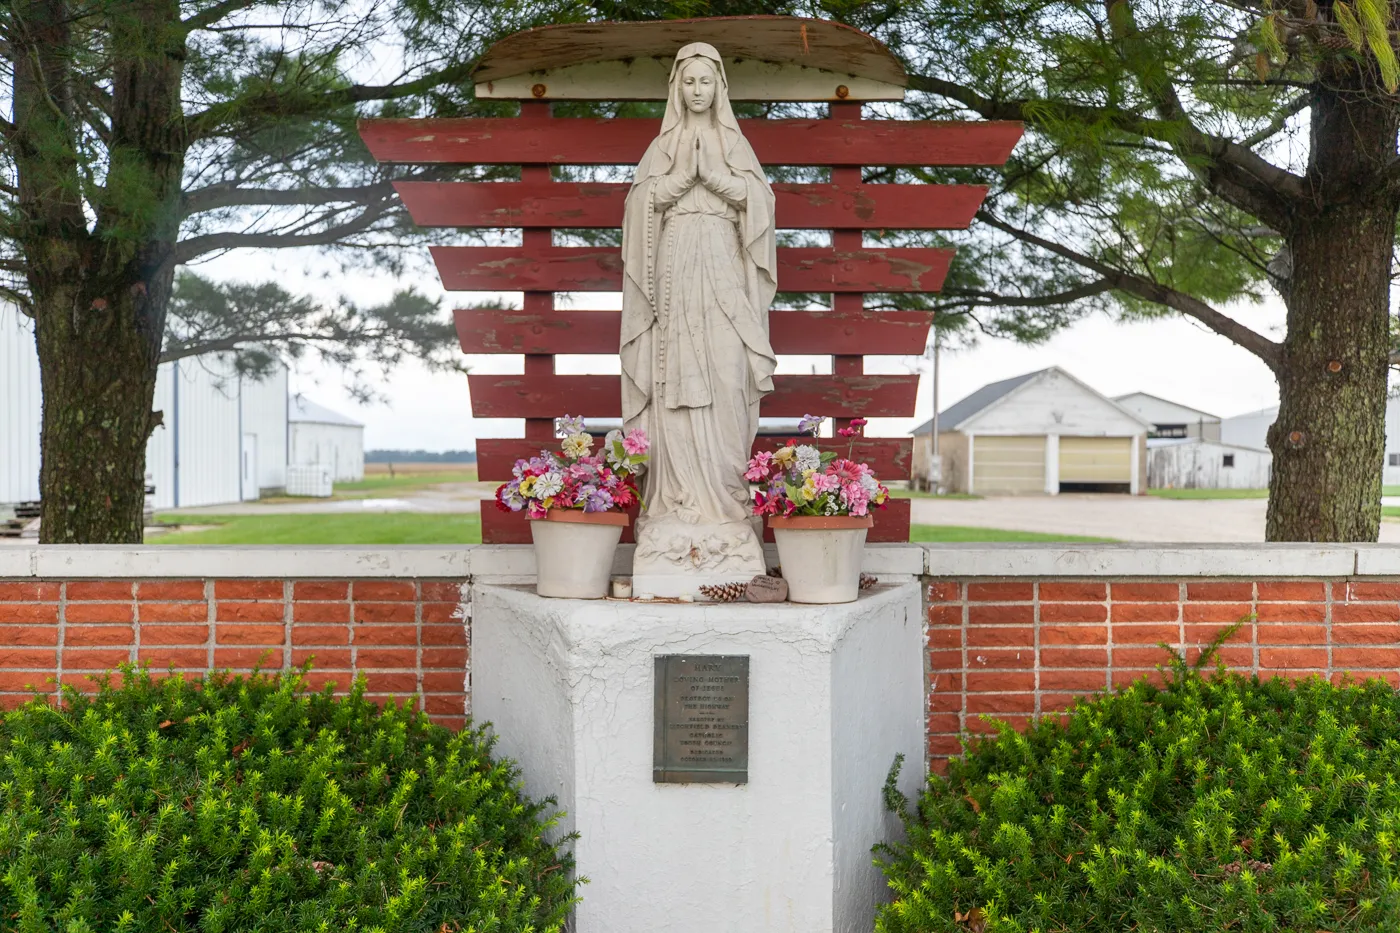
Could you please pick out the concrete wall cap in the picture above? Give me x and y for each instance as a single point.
(1144, 560)
(516, 563)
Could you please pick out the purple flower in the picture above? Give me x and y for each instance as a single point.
(598, 501)
(569, 424)
(810, 424)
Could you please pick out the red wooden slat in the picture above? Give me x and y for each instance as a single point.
(799, 207)
(511, 396)
(889, 457)
(586, 268)
(577, 141)
(894, 333)
(497, 527)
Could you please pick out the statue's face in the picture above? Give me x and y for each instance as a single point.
(698, 85)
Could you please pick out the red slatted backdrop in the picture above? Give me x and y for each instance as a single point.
(847, 270)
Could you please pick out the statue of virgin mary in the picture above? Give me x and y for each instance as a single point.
(700, 261)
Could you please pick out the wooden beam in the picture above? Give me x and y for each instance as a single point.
(544, 396)
(889, 457)
(599, 269)
(799, 207)
(580, 141)
(888, 333)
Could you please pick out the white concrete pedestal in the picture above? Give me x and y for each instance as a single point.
(835, 692)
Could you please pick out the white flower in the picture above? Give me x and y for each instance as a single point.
(808, 458)
(577, 445)
(612, 449)
(869, 483)
(548, 485)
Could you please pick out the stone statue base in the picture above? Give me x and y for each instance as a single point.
(835, 692)
(676, 558)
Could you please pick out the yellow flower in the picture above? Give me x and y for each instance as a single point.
(576, 445)
(784, 456)
(809, 488)
(527, 484)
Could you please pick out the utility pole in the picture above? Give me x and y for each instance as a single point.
(935, 465)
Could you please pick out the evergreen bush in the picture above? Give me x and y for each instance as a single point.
(243, 804)
(1209, 804)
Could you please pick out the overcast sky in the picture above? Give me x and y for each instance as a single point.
(1175, 359)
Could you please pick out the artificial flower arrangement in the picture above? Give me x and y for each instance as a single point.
(577, 478)
(799, 479)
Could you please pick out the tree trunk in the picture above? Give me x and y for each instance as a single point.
(99, 376)
(1329, 439)
(100, 294)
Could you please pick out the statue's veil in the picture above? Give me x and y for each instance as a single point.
(641, 237)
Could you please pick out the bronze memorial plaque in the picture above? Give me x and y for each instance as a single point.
(702, 719)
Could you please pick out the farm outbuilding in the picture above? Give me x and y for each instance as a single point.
(223, 439)
(1197, 463)
(325, 438)
(1042, 432)
(1171, 419)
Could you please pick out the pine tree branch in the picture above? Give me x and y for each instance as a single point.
(1228, 169)
(226, 344)
(189, 249)
(1148, 290)
(216, 197)
(211, 15)
(301, 103)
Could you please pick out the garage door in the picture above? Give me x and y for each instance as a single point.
(1096, 460)
(1002, 465)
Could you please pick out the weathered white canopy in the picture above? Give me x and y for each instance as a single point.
(767, 58)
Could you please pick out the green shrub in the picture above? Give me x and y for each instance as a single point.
(250, 804)
(1208, 805)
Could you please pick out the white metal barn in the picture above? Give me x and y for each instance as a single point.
(325, 438)
(20, 407)
(1170, 419)
(223, 439)
(1250, 429)
(1197, 463)
(1043, 432)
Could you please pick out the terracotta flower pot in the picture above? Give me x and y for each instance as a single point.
(820, 555)
(574, 552)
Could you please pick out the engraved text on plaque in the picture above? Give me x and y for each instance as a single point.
(702, 719)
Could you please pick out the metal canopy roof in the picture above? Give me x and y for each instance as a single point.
(812, 43)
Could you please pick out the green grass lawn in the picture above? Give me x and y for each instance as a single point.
(381, 528)
(1210, 493)
(949, 533)
(1390, 490)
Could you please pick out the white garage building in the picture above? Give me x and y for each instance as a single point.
(1043, 432)
(224, 438)
(325, 438)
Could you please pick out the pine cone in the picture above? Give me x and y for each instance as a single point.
(724, 592)
(868, 580)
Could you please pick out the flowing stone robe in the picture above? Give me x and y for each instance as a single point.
(699, 276)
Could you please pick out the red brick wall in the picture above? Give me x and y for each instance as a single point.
(1014, 649)
(403, 635)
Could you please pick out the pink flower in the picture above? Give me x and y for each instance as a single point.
(848, 432)
(759, 466)
(858, 423)
(825, 482)
(857, 499)
(635, 443)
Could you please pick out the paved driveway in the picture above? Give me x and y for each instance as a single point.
(1125, 518)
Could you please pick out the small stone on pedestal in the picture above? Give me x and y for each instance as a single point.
(766, 589)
